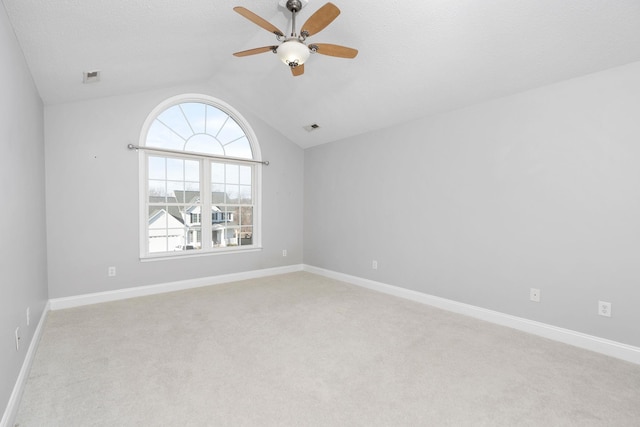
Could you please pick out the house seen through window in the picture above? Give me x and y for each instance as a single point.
(200, 179)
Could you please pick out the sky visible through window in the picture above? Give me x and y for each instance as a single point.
(199, 128)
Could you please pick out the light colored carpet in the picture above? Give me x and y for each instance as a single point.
(303, 350)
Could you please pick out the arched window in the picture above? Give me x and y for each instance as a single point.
(200, 185)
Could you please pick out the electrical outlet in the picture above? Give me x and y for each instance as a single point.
(534, 295)
(604, 308)
(111, 271)
(374, 264)
(28, 316)
(17, 338)
(284, 252)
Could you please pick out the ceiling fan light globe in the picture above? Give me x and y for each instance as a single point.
(293, 52)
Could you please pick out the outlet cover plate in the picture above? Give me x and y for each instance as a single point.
(604, 308)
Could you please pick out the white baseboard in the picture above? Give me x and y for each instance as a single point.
(14, 400)
(119, 294)
(588, 342)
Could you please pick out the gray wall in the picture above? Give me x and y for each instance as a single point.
(540, 189)
(92, 198)
(23, 261)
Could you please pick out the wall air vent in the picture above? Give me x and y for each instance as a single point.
(312, 127)
(91, 76)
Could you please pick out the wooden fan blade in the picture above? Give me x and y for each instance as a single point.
(258, 21)
(319, 20)
(298, 70)
(334, 50)
(255, 51)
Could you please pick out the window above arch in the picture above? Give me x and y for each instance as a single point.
(200, 173)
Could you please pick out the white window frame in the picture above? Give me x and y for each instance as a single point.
(205, 179)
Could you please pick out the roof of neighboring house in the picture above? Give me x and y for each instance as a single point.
(187, 197)
(174, 211)
(167, 204)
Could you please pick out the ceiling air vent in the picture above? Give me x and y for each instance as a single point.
(91, 76)
(312, 127)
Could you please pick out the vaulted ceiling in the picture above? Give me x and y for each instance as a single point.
(416, 57)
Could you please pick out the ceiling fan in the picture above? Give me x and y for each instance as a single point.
(292, 50)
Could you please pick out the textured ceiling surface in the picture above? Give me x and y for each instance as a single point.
(416, 57)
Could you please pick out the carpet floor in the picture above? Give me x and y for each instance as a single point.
(304, 350)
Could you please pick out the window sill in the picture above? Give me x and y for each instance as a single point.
(195, 254)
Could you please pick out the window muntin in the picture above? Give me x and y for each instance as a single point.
(181, 190)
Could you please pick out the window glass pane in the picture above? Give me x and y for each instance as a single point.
(246, 215)
(157, 168)
(157, 217)
(217, 216)
(202, 143)
(217, 173)
(217, 193)
(232, 236)
(195, 113)
(161, 137)
(174, 119)
(217, 236)
(175, 192)
(176, 215)
(157, 191)
(246, 235)
(223, 236)
(192, 197)
(232, 174)
(158, 243)
(215, 120)
(230, 132)
(165, 230)
(192, 170)
(245, 175)
(233, 193)
(245, 194)
(232, 217)
(190, 232)
(175, 169)
(239, 148)
(192, 187)
(176, 238)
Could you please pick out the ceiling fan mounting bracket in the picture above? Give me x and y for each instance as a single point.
(294, 5)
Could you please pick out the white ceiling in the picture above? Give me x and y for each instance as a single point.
(416, 57)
